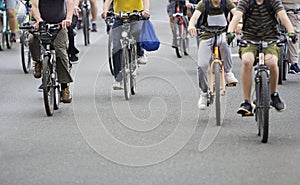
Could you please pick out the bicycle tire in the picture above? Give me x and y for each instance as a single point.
(126, 73)
(263, 106)
(110, 52)
(57, 97)
(2, 42)
(280, 65)
(177, 37)
(48, 87)
(217, 71)
(85, 21)
(25, 53)
(285, 62)
(133, 69)
(8, 43)
(186, 44)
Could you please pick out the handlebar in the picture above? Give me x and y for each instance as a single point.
(293, 10)
(280, 42)
(135, 15)
(203, 29)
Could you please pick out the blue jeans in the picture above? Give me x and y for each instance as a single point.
(135, 28)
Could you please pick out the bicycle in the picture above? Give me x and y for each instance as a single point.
(4, 28)
(262, 85)
(25, 53)
(129, 52)
(283, 63)
(109, 22)
(85, 11)
(51, 88)
(217, 74)
(180, 33)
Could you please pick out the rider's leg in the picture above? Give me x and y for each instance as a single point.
(225, 52)
(294, 47)
(247, 65)
(94, 11)
(205, 49)
(12, 21)
(35, 52)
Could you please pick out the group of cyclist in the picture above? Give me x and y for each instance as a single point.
(254, 16)
(258, 22)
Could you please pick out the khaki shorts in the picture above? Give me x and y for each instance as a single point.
(272, 49)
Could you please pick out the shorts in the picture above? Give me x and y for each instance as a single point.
(171, 7)
(272, 49)
(11, 4)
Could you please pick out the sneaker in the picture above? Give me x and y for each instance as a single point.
(245, 109)
(37, 70)
(142, 59)
(276, 102)
(73, 58)
(13, 37)
(94, 27)
(294, 69)
(202, 102)
(117, 85)
(66, 96)
(230, 78)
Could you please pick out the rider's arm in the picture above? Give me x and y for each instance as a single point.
(286, 21)
(35, 11)
(70, 8)
(106, 6)
(193, 21)
(237, 16)
(146, 5)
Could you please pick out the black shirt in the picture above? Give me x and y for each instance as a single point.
(52, 11)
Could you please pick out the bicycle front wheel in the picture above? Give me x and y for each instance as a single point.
(217, 71)
(126, 73)
(48, 86)
(110, 52)
(25, 53)
(85, 21)
(177, 31)
(263, 105)
(280, 65)
(133, 69)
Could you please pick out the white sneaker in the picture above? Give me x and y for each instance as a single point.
(117, 85)
(142, 60)
(202, 102)
(230, 78)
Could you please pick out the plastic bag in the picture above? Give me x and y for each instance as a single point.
(148, 38)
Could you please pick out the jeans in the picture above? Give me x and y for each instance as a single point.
(135, 28)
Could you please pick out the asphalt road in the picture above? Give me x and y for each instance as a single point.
(158, 137)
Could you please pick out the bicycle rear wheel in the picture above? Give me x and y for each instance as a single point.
(85, 21)
(48, 86)
(263, 105)
(217, 71)
(186, 44)
(285, 62)
(7, 40)
(25, 53)
(133, 69)
(110, 52)
(177, 31)
(126, 73)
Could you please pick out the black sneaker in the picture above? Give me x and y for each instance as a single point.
(276, 102)
(94, 27)
(245, 109)
(294, 69)
(13, 37)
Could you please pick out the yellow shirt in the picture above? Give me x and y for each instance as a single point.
(128, 5)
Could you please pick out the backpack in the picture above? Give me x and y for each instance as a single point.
(250, 8)
(203, 16)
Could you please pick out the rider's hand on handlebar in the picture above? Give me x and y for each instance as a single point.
(146, 13)
(230, 37)
(192, 31)
(293, 36)
(66, 23)
(104, 14)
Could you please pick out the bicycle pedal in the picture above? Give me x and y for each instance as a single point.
(231, 85)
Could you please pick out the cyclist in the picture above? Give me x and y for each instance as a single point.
(125, 6)
(171, 11)
(260, 24)
(94, 11)
(72, 50)
(216, 17)
(53, 12)
(12, 20)
(293, 48)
